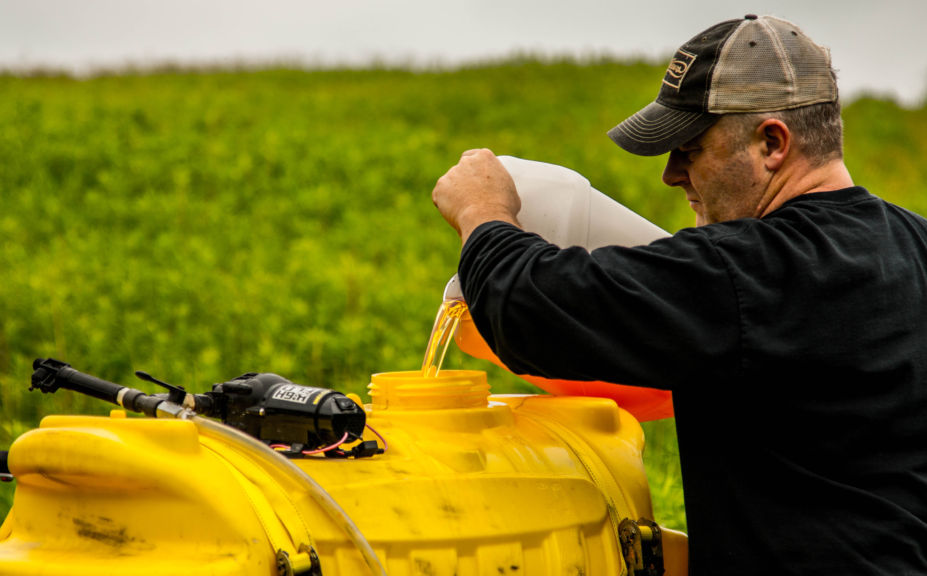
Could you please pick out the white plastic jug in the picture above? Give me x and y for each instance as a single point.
(562, 207)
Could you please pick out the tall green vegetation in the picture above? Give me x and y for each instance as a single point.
(202, 225)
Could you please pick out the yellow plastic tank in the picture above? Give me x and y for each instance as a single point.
(469, 484)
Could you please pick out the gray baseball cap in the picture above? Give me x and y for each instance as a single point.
(754, 64)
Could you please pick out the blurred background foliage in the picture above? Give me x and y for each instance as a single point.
(202, 224)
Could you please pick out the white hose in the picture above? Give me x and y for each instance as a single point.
(253, 447)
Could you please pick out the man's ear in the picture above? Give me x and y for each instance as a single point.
(776, 142)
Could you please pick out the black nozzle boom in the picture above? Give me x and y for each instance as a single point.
(49, 375)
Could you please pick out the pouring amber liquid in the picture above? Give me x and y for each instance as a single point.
(442, 333)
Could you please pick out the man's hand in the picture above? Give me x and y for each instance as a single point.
(478, 189)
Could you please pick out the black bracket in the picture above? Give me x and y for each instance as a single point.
(642, 547)
(5, 474)
(175, 394)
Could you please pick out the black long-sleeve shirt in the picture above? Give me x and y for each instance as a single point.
(796, 349)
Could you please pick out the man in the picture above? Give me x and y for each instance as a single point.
(791, 324)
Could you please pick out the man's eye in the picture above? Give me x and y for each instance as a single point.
(689, 153)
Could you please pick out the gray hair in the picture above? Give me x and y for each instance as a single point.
(817, 129)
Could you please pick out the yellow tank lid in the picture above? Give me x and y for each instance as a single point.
(409, 390)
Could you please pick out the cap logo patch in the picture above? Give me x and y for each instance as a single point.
(677, 69)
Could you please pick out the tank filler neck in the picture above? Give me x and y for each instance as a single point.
(409, 390)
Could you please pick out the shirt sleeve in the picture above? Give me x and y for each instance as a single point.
(653, 315)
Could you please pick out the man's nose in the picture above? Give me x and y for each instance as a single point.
(675, 172)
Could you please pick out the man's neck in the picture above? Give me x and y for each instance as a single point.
(801, 178)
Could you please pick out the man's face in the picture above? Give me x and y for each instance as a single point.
(721, 173)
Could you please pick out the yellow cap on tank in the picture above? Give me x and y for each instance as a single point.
(409, 390)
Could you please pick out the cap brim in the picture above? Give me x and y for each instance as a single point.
(657, 129)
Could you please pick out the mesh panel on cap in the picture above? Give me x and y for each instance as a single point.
(769, 64)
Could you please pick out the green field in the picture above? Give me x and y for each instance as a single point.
(198, 225)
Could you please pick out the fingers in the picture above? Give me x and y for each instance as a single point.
(476, 151)
(476, 190)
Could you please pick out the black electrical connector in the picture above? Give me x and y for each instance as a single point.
(365, 449)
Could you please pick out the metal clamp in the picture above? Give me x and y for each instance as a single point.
(642, 547)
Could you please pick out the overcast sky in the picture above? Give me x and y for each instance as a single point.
(877, 45)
